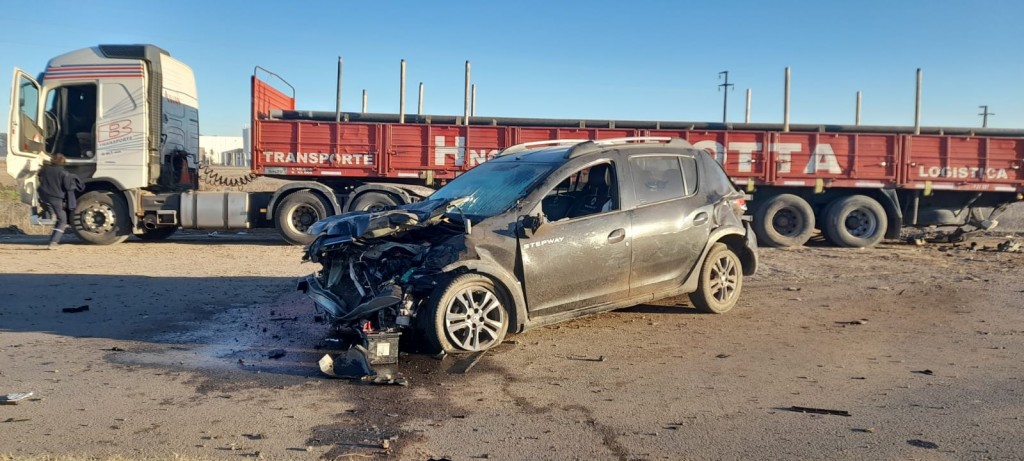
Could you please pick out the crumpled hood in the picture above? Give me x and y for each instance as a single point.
(347, 227)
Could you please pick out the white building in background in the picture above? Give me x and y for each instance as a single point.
(223, 150)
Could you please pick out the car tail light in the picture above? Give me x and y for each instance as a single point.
(740, 205)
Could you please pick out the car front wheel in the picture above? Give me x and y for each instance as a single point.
(469, 314)
(721, 280)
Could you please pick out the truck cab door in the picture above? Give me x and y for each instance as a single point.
(26, 139)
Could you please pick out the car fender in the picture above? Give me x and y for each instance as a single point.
(717, 235)
(507, 280)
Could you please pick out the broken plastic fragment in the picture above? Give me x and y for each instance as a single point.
(15, 397)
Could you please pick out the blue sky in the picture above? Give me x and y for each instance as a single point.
(646, 60)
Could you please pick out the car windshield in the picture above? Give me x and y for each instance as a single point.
(492, 187)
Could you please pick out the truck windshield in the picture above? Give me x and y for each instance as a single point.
(492, 187)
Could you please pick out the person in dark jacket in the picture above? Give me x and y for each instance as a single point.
(57, 188)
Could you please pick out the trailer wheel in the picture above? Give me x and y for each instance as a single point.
(470, 313)
(784, 221)
(101, 218)
(296, 214)
(372, 201)
(855, 221)
(160, 233)
(721, 281)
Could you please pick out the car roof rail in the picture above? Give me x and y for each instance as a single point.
(593, 146)
(538, 144)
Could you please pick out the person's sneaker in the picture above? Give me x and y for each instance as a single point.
(53, 246)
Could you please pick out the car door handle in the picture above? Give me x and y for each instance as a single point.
(617, 236)
(701, 218)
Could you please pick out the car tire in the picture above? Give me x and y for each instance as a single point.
(784, 220)
(101, 218)
(721, 281)
(373, 201)
(470, 313)
(160, 233)
(856, 221)
(296, 213)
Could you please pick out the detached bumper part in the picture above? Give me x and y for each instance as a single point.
(324, 299)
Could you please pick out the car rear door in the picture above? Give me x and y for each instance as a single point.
(671, 221)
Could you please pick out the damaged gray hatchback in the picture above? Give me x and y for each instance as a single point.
(542, 233)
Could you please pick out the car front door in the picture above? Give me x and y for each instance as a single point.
(671, 221)
(580, 258)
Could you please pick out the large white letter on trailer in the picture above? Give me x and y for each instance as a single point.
(441, 151)
(25, 142)
(823, 160)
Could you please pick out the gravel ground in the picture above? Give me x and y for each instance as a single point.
(920, 345)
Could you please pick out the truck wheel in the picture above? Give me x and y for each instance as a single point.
(296, 214)
(101, 218)
(784, 221)
(470, 313)
(856, 221)
(160, 233)
(721, 281)
(372, 201)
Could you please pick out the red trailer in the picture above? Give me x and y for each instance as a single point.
(131, 131)
(857, 184)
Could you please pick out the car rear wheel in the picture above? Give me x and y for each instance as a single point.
(721, 281)
(469, 314)
(855, 221)
(784, 221)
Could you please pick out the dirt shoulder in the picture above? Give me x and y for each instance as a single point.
(920, 346)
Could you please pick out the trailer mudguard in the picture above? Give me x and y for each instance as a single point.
(325, 192)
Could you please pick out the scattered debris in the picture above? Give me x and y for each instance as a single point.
(464, 365)
(584, 358)
(853, 322)
(352, 364)
(722, 356)
(75, 310)
(924, 372)
(15, 397)
(386, 379)
(819, 411)
(276, 353)
(869, 430)
(285, 319)
(793, 288)
(923, 444)
(115, 349)
(1009, 246)
(13, 420)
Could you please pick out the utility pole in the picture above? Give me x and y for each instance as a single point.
(984, 116)
(725, 94)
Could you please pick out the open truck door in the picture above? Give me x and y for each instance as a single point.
(26, 140)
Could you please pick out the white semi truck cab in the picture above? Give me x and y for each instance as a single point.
(126, 117)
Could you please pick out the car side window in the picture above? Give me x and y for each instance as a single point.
(585, 192)
(656, 179)
(689, 174)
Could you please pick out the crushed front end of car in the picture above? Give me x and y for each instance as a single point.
(380, 268)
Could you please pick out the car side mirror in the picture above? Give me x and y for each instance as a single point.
(532, 223)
